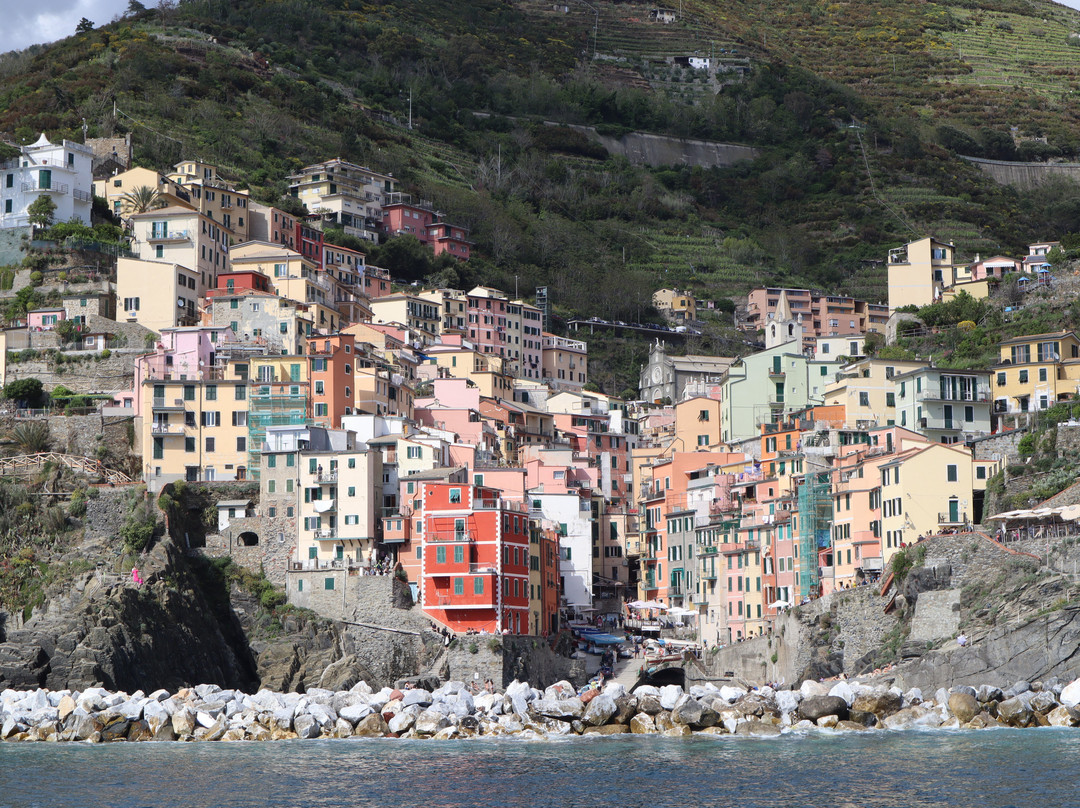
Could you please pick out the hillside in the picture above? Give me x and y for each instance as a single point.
(855, 142)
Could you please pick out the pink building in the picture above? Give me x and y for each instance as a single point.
(995, 267)
(487, 320)
(402, 215)
(181, 353)
(44, 319)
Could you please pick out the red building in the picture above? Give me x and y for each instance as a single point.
(309, 242)
(239, 282)
(475, 558)
(401, 215)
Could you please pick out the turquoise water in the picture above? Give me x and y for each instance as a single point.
(990, 769)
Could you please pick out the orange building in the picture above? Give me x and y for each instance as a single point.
(333, 361)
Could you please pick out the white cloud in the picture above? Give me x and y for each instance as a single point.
(30, 22)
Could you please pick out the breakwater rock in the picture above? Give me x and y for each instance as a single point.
(210, 713)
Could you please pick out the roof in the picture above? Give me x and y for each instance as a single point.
(234, 503)
(435, 474)
(170, 210)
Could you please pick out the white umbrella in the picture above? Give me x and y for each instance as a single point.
(780, 604)
(637, 604)
(679, 611)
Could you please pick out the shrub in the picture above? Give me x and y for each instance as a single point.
(494, 645)
(474, 648)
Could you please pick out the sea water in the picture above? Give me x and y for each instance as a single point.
(988, 769)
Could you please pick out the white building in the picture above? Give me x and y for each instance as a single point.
(573, 515)
(61, 170)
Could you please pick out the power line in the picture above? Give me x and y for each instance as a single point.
(873, 187)
(118, 111)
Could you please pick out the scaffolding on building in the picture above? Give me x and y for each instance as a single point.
(277, 404)
(815, 522)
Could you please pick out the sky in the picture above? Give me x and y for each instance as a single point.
(28, 22)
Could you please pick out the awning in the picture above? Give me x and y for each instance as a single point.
(603, 639)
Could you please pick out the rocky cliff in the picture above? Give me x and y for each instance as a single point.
(104, 629)
(186, 624)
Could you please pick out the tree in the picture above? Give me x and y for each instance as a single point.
(142, 199)
(28, 391)
(84, 26)
(41, 211)
(134, 8)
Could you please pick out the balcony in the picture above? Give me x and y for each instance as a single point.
(325, 533)
(167, 429)
(454, 536)
(52, 188)
(326, 477)
(982, 395)
(482, 569)
(708, 575)
(160, 237)
(82, 196)
(164, 404)
(952, 519)
(711, 550)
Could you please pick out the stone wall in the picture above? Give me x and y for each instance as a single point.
(10, 241)
(83, 434)
(1004, 444)
(351, 596)
(106, 512)
(276, 545)
(505, 658)
(937, 615)
(838, 630)
(967, 555)
(90, 375)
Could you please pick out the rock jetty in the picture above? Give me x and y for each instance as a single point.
(209, 713)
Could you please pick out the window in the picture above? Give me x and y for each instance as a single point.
(459, 553)
(211, 392)
(328, 583)
(300, 583)
(239, 419)
(241, 444)
(1001, 379)
(271, 462)
(1023, 377)
(478, 586)
(189, 392)
(189, 444)
(950, 473)
(459, 586)
(1042, 374)
(864, 399)
(209, 444)
(352, 491)
(440, 555)
(211, 418)
(271, 486)
(455, 495)
(890, 399)
(980, 472)
(240, 392)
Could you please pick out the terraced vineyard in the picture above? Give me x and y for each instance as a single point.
(1010, 50)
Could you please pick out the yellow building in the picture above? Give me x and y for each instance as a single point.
(678, 306)
(920, 270)
(294, 277)
(213, 197)
(340, 518)
(1035, 372)
(115, 188)
(419, 314)
(866, 391)
(181, 236)
(379, 391)
(929, 488)
(344, 194)
(697, 424)
(565, 362)
(194, 429)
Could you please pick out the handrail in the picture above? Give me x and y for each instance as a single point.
(76, 462)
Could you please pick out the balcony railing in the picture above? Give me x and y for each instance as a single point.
(454, 536)
(325, 533)
(952, 518)
(482, 569)
(326, 477)
(170, 235)
(54, 188)
(166, 429)
(981, 395)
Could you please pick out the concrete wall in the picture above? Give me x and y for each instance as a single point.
(10, 241)
(1026, 176)
(641, 148)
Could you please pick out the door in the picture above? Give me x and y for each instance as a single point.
(954, 510)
